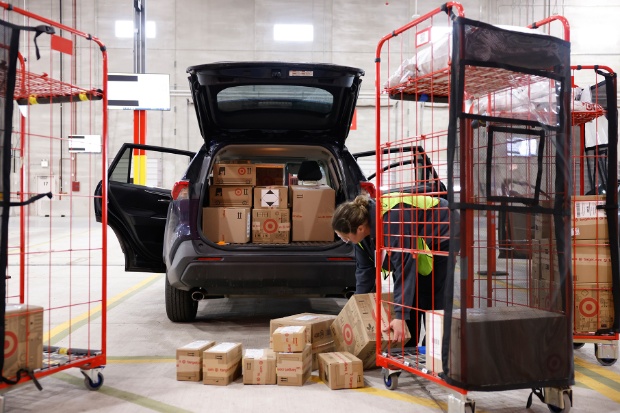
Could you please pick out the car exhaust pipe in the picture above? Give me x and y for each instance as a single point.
(199, 294)
(348, 294)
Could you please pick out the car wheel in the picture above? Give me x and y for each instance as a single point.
(180, 308)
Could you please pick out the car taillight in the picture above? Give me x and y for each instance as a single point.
(180, 190)
(369, 187)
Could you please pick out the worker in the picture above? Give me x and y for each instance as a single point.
(410, 222)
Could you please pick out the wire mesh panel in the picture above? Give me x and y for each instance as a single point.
(508, 322)
(57, 251)
(412, 214)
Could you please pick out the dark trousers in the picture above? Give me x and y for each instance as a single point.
(424, 296)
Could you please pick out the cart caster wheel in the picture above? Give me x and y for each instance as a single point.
(603, 360)
(390, 380)
(91, 385)
(567, 405)
(577, 346)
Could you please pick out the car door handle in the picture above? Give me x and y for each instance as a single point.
(164, 200)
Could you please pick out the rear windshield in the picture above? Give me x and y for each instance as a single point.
(281, 97)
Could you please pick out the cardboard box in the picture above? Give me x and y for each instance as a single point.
(548, 295)
(268, 174)
(189, 360)
(230, 195)
(291, 339)
(234, 174)
(434, 337)
(509, 346)
(594, 307)
(226, 224)
(312, 211)
(591, 262)
(23, 338)
(259, 366)
(354, 329)
(221, 364)
(590, 222)
(341, 370)
(271, 226)
(318, 331)
(271, 197)
(294, 369)
(587, 220)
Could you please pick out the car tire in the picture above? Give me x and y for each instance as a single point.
(180, 308)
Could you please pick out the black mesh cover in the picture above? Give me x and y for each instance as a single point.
(9, 43)
(505, 327)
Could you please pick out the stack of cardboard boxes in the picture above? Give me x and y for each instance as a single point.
(250, 202)
(293, 355)
(591, 265)
(318, 332)
(299, 344)
(221, 363)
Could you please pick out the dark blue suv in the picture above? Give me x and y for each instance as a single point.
(296, 115)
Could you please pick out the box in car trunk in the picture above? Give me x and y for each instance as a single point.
(230, 195)
(226, 224)
(312, 211)
(271, 226)
(234, 174)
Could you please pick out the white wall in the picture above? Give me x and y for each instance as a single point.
(191, 32)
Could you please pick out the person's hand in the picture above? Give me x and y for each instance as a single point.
(396, 326)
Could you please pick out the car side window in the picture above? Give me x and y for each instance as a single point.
(146, 167)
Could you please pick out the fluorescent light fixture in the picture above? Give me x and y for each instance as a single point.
(124, 29)
(293, 32)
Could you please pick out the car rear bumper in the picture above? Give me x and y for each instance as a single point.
(265, 274)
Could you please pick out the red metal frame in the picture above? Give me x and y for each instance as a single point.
(435, 83)
(579, 120)
(43, 87)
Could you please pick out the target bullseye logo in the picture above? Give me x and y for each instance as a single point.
(10, 344)
(347, 334)
(238, 191)
(241, 171)
(588, 307)
(270, 226)
(554, 363)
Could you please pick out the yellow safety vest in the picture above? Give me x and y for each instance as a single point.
(389, 201)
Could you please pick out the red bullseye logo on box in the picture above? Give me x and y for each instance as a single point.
(588, 307)
(270, 226)
(10, 344)
(241, 171)
(238, 192)
(347, 334)
(554, 362)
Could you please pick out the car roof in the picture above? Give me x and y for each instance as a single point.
(274, 101)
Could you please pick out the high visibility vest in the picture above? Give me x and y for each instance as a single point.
(389, 201)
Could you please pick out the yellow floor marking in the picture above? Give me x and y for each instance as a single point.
(139, 361)
(66, 325)
(596, 385)
(394, 395)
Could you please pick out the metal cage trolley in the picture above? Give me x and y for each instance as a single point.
(487, 110)
(56, 288)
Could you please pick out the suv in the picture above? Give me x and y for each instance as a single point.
(294, 115)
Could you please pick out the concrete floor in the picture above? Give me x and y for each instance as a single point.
(140, 374)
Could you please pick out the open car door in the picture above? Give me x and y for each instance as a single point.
(425, 178)
(139, 193)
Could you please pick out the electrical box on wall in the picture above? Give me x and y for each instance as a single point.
(75, 186)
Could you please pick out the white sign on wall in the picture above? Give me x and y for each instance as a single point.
(85, 143)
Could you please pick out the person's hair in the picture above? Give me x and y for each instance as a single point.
(350, 215)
